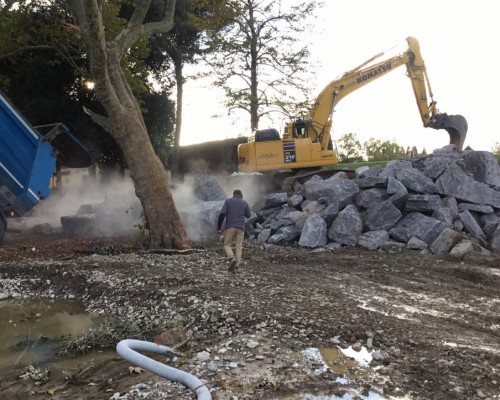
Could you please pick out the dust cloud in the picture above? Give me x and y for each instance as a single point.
(114, 201)
(111, 207)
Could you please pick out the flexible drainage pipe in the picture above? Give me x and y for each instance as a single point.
(127, 350)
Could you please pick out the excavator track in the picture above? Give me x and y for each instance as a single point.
(303, 176)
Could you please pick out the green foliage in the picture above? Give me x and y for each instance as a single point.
(496, 149)
(377, 150)
(43, 68)
(348, 148)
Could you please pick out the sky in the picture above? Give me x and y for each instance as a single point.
(459, 42)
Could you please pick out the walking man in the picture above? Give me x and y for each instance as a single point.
(234, 211)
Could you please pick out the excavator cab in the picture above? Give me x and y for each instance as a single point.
(300, 128)
(455, 125)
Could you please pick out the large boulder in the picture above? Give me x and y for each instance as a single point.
(415, 180)
(416, 224)
(382, 216)
(484, 167)
(372, 240)
(200, 220)
(347, 227)
(331, 190)
(314, 232)
(472, 227)
(456, 183)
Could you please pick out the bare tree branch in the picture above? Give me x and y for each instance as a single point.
(136, 30)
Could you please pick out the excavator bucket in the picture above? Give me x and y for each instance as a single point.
(455, 125)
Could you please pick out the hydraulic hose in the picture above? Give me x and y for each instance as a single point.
(128, 348)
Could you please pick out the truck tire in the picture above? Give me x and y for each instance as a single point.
(3, 225)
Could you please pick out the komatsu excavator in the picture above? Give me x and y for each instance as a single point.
(306, 143)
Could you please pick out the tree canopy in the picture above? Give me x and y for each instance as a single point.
(258, 59)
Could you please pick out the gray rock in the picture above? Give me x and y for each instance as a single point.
(415, 180)
(445, 241)
(295, 200)
(371, 181)
(416, 244)
(207, 188)
(416, 224)
(275, 225)
(270, 201)
(314, 232)
(382, 216)
(392, 167)
(341, 190)
(264, 236)
(373, 171)
(370, 197)
(435, 166)
(472, 227)
(461, 249)
(290, 233)
(81, 225)
(372, 240)
(44, 229)
(277, 238)
(443, 214)
(490, 224)
(312, 206)
(203, 356)
(495, 241)
(394, 186)
(360, 171)
(458, 226)
(330, 212)
(347, 227)
(454, 182)
(423, 202)
(448, 150)
(480, 208)
(399, 199)
(484, 167)
(451, 203)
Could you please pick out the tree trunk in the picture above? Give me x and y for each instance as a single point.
(146, 169)
(254, 100)
(127, 124)
(179, 79)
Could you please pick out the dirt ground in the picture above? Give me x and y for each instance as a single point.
(430, 324)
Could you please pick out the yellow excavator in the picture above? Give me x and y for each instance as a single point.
(306, 143)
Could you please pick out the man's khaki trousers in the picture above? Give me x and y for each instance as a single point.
(233, 235)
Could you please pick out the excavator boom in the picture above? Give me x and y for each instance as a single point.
(306, 143)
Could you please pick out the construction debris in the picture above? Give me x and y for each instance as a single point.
(440, 203)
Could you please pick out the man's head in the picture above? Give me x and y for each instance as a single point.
(237, 193)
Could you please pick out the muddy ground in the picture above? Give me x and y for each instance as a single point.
(430, 324)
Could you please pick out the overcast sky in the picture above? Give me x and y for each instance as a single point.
(460, 44)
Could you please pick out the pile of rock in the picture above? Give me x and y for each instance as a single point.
(443, 202)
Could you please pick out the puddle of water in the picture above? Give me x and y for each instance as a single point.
(29, 330)
(348, 365)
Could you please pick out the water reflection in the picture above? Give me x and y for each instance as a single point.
(29, 330)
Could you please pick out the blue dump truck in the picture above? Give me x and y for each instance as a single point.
(28, 159)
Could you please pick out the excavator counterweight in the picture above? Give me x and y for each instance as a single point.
(455, 125)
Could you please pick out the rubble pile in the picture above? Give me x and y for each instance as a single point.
(443, 203)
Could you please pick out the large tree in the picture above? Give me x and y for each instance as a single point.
(127, 124)
(259, 60)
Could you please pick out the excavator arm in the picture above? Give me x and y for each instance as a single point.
(318, 126)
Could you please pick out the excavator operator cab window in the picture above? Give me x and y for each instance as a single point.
(300, 129)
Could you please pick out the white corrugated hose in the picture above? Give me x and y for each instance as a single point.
(128, 348)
